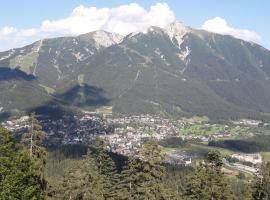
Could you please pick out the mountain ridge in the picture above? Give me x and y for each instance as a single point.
(174, 71)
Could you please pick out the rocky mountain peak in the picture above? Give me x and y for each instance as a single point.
(106, 39)
(177, 30)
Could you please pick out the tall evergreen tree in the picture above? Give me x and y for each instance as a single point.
(83, 181)
(143, 178)
(153, 172)
(241, 189)
(129, 179)
(209, 182)
(32, 141)
(106, 168)
(262, 183)
(18, 179)
(103, 160)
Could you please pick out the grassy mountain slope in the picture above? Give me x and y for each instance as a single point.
(175, 71)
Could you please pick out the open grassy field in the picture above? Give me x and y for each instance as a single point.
(107, 110)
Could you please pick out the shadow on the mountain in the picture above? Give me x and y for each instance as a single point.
(51, 110)
(13, 74)
(4, 116)
(65, 104)
(85, 95)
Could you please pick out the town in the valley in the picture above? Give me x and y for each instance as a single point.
(126, 134)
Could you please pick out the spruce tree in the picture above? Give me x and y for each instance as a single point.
(153, 172)
(83, 181)
(32, 141)
(261, 186)
(18, 179)
(209, 182)
(241, 189)
(106, 168)
(143, 178)
(129, 179)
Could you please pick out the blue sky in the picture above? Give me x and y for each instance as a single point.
(17, 16)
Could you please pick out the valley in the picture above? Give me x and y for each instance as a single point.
(184, 141)
(127, 103)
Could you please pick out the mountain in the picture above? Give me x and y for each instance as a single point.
(178, 71)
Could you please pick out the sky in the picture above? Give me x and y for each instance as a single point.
(23, 22)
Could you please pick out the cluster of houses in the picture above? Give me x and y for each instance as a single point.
(18, 126)
(126, 135)
(67, 130)
(129, 140)
(248, 122)
(128, 144)
(131, 132)
(74, 130)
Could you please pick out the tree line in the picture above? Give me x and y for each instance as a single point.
(98, 177)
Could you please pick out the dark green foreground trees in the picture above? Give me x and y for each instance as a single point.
(18, 177)
(262, 184)
(145, 180)
(98, 175)
(83, 181)
(209, 182)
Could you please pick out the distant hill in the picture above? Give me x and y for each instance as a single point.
(176, 71)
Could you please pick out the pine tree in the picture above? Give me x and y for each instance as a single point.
(106, 168)
(241, 188)
(129, 179)
(262, 184)
(151, 151)
(176, 181)
(18, 179)
(143, 179)
(153, 172)
(209, 182)
(32, 141)
(83, 181)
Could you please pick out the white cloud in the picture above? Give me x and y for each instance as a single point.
(220, 25)
(123, 20)
(27, 32)
(6, 31)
